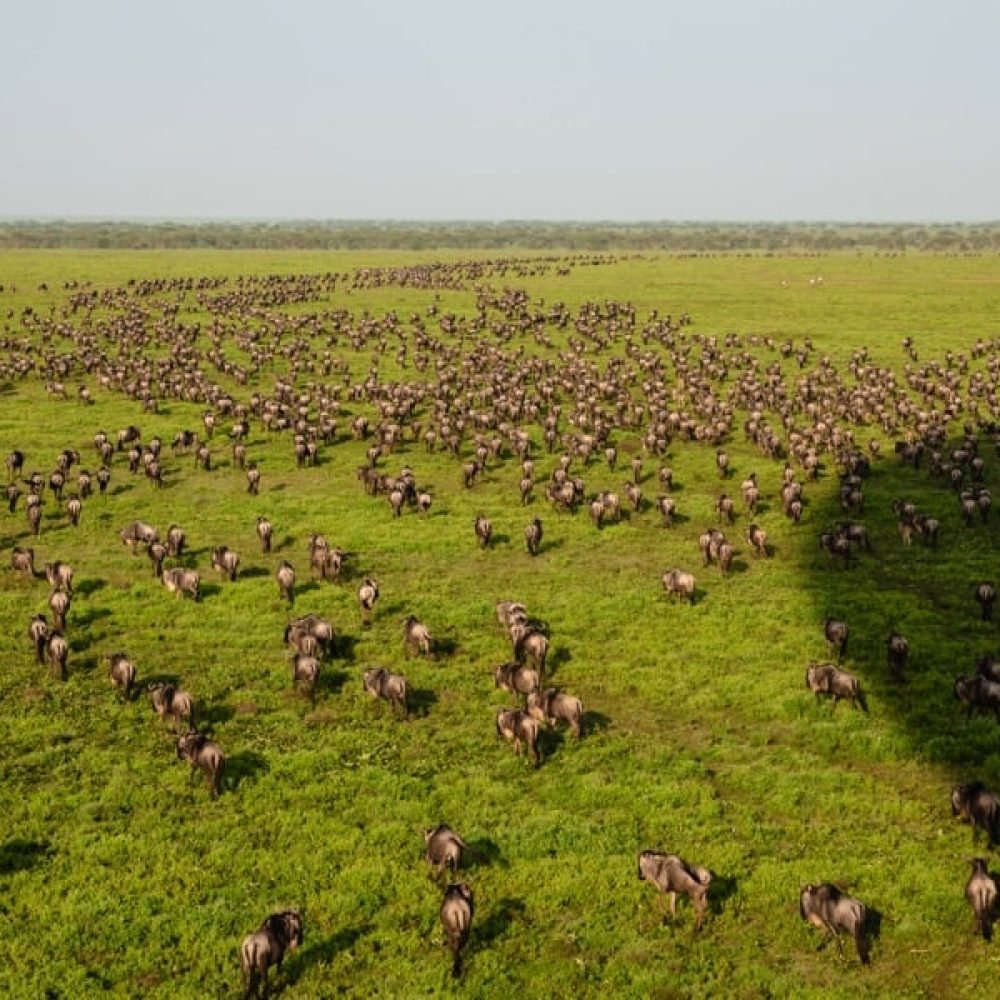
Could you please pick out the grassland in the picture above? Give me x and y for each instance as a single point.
(120, 877)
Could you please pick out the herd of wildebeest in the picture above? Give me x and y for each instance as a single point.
(493, 389)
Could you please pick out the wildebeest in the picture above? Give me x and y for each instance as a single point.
(38, 634)
(60, 576)
(725, 508)
(305, 672)
(74, 508)
(368, 594)
(285, 576)
(986, 595)
(138, 533)
(57, 652)
(182, 581)
(416, 637)
(176, 540)
(667, 508)
(279, 933)
(311, 627)
(484, 530)
(15, 463)
(264, 534)
(121, 671)
(552, 706)
(23, 561)
(380, 683)
(980, 692)
(671, 875)
(456, 918)
(59, 602)
(722, 463)
(157, 552)
(253, 479)
(200, 752)
(757, 537)
(981, 893)
(677, 583)
(519, 728)
(533, 536)
(530, 646)
(826, 679)
(444, 848)
(168, 700)
(826, 907)
(836, 633)
(13, 492)
(34, 512)
(981, 807)
(898, 652)
(515, 679)
(225, 561)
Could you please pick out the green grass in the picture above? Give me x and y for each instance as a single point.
(119, 875)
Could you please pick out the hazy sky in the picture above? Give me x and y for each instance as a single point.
(447, 109)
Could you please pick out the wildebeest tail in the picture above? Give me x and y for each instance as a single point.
(860, 941)
(456, 964)
(985, 924)
(220, 773)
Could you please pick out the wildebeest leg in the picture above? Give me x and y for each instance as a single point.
(673, 906)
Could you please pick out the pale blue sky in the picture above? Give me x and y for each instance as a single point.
(441, 109)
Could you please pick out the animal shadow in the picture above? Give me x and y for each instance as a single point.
(445, 646)
(91, 615)
(332, 681)
(549, 546)
(213, 715)
(254, 572)
(285, 543)
(420, 701)
(343, 647)
(560, 655)
(244, 767)
(23, 855)
(595, 722)
(87, 587)
(485, 852)
(498, 538)
(723, 888)
(323, 951)
(210, 590)
(498, 922)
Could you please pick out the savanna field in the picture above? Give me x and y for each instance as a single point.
(121, 876)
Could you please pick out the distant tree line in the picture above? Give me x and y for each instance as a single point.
(679, 237)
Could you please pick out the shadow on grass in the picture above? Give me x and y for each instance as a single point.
(287, 542)
(91, 615)
(484, 852)
(722, 889)
(87, 587)
(498, 921)
(420, 702)
(254, 572)
(23, 855)
(343, 647)
(324, 951)
(444, 646)
(210, 590)
(332, 681)
(244, 768)
(213, 715)
(595, 722)
(558, 658)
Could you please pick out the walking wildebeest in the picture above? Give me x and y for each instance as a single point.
(484, 530)
(57, 651)
(264, 534)
(980, 692)
(533, 536)
(445, 848)
(368, 594)
(200, 752)
(38, 635)
(981, 807)
(826, 679)
(225, 561)
(285, 576)
(671, 875)
(168, 700)
(456, 919)
(59, 602)
(253, 479)
(138, 533)
(416, 637)
(182, 581)
(981, 892)
(826, 907)
(379, 683)
(176, 540)
(519, 728)
(305, 672)
(677, 583)
(757, 537)
(74, 508)
(23, 561)
(157, 552)
(121, 671)
(281, 932)
(551, 706)
(836, 633)
(986, 595)
(898, 652)
(515, 679)
(530, 646)
(60, 576)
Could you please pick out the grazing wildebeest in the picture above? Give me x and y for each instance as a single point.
(533, 536)
(671, 875)
(225, 561)
(176, 540)
(168, 700)
(986, 595)
(979, 692)
(757, 537)
(898, 652)
(368, 594)
(981, 807)
(981, 892)
(483, 529)
(285, 576)
(519, 728)
(305, 672)
(281, 932)
(677, 583)
(515, 679)
(826, 679)
(138, 533)
(416, 637)
(200, 752)
(826, 907)
(23, 561)
(182, 581)
(38, 634)
(264, 534)
(60, 576)
(59, 602)
(57, 651)
(445, 848)
(379, 683)
(836, 633)
(551, 706)
(456, 919)
(121, 671)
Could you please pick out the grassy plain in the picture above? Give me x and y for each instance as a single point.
(120, 877)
